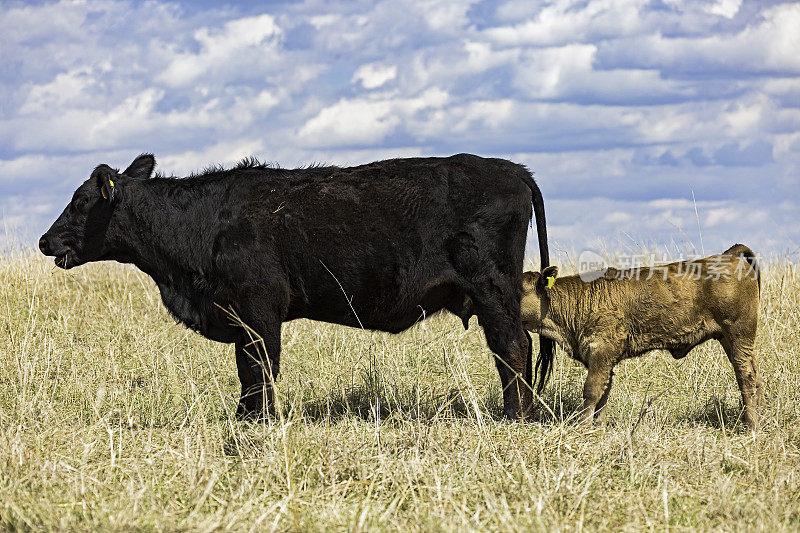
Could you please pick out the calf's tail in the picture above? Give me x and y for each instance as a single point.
(747, 254)
(544, 362)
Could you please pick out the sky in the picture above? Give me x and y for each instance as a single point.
(660, 124)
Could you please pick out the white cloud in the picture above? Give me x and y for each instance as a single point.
(662, 226)
(744, 117)
(481, 56)
(127, 119)
(373, 75)
(617, 217)
(446, 15)
(24, 168)
(350, 122)
(721, 215)
(569, 71)
(238, 43)
(562, 22)
(365, 120)
(66, 89)
(769, 44)
(670, 204)
(725, 8)
(320, 21)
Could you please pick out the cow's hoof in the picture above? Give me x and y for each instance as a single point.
(514, 415)
(250, 414)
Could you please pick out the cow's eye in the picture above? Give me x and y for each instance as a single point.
(81, 204)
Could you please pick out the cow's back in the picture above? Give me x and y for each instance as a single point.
(372, 245)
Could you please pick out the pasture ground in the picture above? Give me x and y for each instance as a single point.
(112, 417)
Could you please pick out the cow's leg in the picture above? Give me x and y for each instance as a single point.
(595, 390)
(489, 266)
(258, 365)
(740, 353)
(509, 342)
(511, 357)
(251, 398)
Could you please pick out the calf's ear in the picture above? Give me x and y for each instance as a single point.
(547, 279)
(529, 281)
(142, 167)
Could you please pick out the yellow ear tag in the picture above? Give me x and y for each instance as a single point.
(551, 280)
(111, 182)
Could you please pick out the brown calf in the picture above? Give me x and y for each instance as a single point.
(626, 313)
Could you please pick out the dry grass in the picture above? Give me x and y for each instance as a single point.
(113, 417)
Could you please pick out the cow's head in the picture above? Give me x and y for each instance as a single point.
(536, 296)
(79, 234)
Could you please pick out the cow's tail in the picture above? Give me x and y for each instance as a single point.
(544, 363)
(747, 254)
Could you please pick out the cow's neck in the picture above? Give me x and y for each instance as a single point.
(162, 235)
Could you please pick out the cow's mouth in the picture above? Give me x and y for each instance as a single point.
(65, 261)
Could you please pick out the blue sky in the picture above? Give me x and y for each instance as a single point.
(640, 119)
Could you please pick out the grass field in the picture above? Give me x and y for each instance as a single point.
(112, 417)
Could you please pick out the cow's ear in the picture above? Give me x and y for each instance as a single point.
(547, 279)
(107, 181)
(142, 167)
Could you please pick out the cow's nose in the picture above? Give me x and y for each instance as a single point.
(44, 246)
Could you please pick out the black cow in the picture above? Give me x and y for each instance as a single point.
(378, 246)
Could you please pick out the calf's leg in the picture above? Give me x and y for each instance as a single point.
(595, 390)
(600, 409)
(759, 382)
(740, 353)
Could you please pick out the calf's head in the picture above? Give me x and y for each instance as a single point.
(80, 234)
(536, 297)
